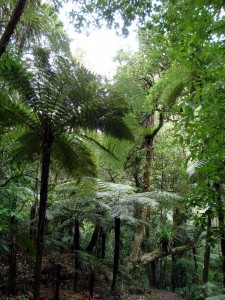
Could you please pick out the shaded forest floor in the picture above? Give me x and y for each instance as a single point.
(25, 281)
(156, 295)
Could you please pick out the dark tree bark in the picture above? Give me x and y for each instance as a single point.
(221, 219)
(45, 165)
(91, 284)
(116, 252)
(57, 281)
(11, 26)
(11, 286)
(103, 235)
(153, 270)
(76, 248)
(94, 239)
(205, 272)
(32, 222)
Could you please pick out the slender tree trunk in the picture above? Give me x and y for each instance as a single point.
(11, 286)
(116, 252)
(221, 219)
(173, 277)
(32, 222)
(153, 269)
(103, 243)
(91, 284)
(11, 26)
(94, 238)
(76, 248)
(205, 272)
(144, 210)
(57, 281)
(47, 144)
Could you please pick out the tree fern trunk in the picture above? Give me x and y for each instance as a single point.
(116, 252)
(76, 248)
(45, 165)
(94, 239)
(205, 272)
(103, 243)
(221, 219)
(11, 286)
(32, 222)
(91, 284)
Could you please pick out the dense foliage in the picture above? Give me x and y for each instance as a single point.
(112, 187)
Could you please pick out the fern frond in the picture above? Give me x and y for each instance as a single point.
(168, 88)
(29, 146)
(74, 157)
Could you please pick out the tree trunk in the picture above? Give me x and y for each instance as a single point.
(11, 286)
(221, 219)
(57, 281)
(205, 272)
(11, 26)
(103, 243)
(153, 269)
(160, 253)
(76, 248)
(32, 222)
(91, 284)
(116, 252)
(45, 165)
(144, 209)
(94, 238)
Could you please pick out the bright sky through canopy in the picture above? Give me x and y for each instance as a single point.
(97, 50)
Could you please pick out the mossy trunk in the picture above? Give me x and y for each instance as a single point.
(143, 210)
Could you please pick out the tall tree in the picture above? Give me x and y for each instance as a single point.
(57, 97)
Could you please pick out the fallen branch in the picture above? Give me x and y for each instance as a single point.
(159, 253)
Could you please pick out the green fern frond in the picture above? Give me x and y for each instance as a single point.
(18, 78)
(29, 146)
(168, 88)
(15, 112)
(74, 157)
(116, 127)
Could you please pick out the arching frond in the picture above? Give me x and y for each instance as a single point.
(29, 146)
(74, 157)
(168, 88)
(14, 112)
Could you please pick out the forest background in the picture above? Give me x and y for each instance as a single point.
(112, 185)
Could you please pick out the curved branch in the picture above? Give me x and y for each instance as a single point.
(11, 26)
(160, 253)
(159, 126)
